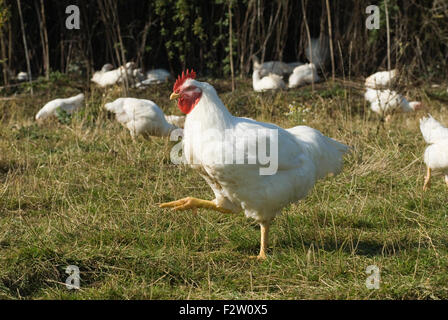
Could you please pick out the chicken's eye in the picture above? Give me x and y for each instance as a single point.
(190, 88)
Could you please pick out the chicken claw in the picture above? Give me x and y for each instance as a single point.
(427, 179)
(260, 257)
(192, 203)
(264, 230)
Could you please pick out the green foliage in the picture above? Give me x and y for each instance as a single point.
(195, 34)
(5, 13)
(393, 8)
(63, 117)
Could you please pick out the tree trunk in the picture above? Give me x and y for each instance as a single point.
(330, 35)
(4, 57)
(388, 35)
(28, 64)
(231, 46)
(46, 50)
(309, 40)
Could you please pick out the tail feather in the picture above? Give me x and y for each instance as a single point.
(432, 130)
(326, 152)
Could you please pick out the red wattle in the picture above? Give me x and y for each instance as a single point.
(185, 104)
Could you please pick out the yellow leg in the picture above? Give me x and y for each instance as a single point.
(427, 179)
(264, 230)
(193, 203)
(446, 180)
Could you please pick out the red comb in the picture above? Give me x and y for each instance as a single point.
(181, 79)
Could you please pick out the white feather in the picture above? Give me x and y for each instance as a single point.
(432, 130)
(436, 154)
(178, 121)
(106, 77)
(22, 76)
(140, 116)
(304, 155)
(386, 101)
(274, 67)
(302, 75)
(381, 80)
(269, 82)
(69, 105)
(158, 75)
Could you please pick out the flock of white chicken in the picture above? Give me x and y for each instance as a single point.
(385, 101)
(108, 76)
(304, 154)
(269, 75)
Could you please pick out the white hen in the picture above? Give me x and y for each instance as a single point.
(382, 79)
(302, 75)
(141, 117)
(96, 77)
(212, 139)
(388, 101)
(269, 82)
(22, 76)
(274, 67)
(69, 105)
(112, 77)
(436, 154)
(158, 75)
(155, 76)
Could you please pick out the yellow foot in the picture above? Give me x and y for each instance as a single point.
(260, 257)
(427, 183)
(192, 203)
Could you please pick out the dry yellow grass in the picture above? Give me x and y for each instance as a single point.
(84, 194)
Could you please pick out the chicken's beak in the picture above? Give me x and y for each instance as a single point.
(174, 95)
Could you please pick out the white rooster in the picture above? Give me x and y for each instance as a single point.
(212, 136)
(270, 82)
(69, 105)
(386, 102)
(142, 117)
(436, 154)
(302, 75)
(381, 80)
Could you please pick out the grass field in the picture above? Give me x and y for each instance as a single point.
(80, 192)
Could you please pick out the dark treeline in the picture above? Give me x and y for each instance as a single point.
(176, 34)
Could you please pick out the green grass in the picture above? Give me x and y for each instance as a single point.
(82, 193)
